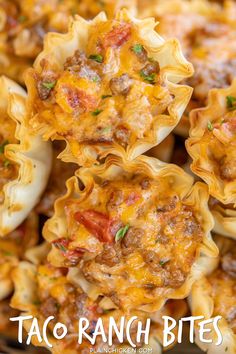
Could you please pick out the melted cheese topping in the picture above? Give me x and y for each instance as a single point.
(110, 93)
(218, 144)
(24, 23)
(132, 239)
(208, 39)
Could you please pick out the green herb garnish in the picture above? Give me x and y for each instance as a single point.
(210, 126)
(49, 85)
(96, 112)
(149, 78)
(163, 262)
(137, 48)
(2, 146)
(7, 253)
(106, 130)
(6, 163)
(59, 246)
(231, 102)
(22, 18)
(121, 233)
(106, 96)
(36, 302)
(96, 57)
(95, 79)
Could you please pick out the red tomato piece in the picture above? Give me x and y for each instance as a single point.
(117, 36)
(79, 99)
(97, 223)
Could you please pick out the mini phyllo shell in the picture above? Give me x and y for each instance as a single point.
(207, 33)
(214, 295)
(13, 249)
(25, 160)
(212, 143)
(107, 86)
(136, 231)
(42, 290)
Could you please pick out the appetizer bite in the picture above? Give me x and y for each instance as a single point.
(212, 143)
(107, 86)
(214, 295)
(13, 249)
(42, 290)
(207, 34)
(25, 160)
(136, 231)
(24, 23)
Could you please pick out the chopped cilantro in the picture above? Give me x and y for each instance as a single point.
(210, 126)
(95, 79)
(96, 57)
(96, 112)
(49, 85)
(163, 262)
(2, 146)
(137, 48)
(149, 78)
(6, 163)
(7, 253)
(22, 18)
(106, 96)
(106, 130)
(106, 311)
(36, 302)
(231, 102)
(59, 246)
(121, 233)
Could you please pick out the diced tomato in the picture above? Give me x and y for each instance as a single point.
(75, 255)
(97, 223)
(132, 198)
(117, 36)
(72, 255)
(79, 99)
(61, 244)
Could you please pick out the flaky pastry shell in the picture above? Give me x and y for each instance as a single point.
(202, 303)
(13, 249)
(225, 220)
(31, 156)
(116, 169)
(211, 144)
(58, 47)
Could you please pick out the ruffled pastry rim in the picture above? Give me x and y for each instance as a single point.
(32, 155)
(57, 47)
(195, 195)
(202, 304)
(222, 190)
(9, 263)
(225, 221)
